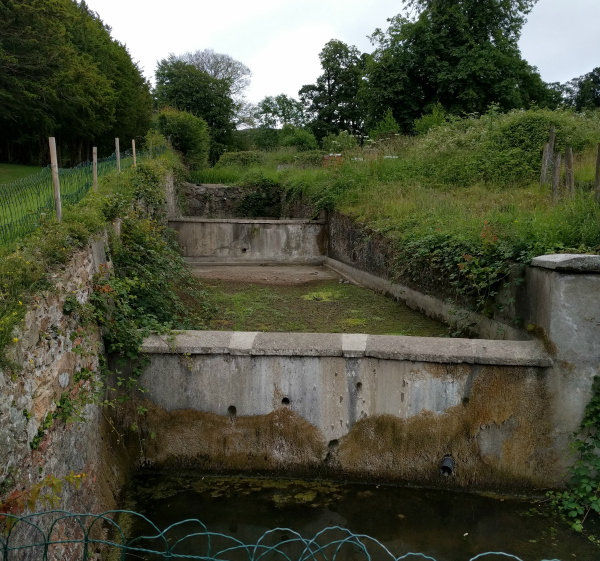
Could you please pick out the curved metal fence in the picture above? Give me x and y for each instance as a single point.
(121, 535)
(24, 202)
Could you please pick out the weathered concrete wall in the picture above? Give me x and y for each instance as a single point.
(367, 406)
(369, 258)
(245, 240)
(52, 350)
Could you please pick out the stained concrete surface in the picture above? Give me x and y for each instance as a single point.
(277, 275)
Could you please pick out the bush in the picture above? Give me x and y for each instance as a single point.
(188, 134)
(299, 138)
(264, 198)
(337, 143)
(436, 118)
(242, 159)
(385, 128)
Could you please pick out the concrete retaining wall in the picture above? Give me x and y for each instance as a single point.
(251, 241)
(367, 406)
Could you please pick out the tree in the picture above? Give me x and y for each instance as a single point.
(221, 67)
(184, 87)
(463, 55)
(584, 92)
(331, 104)
(275, 112)
(61, 74)
(224, 67)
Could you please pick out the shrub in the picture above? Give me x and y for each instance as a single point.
(385, 128)
(188, 134)
(436, 118)
(299, 138)
(242, 159)
(337, 143)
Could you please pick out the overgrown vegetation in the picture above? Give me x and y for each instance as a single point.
(461, 202)
(581, 497)
(140, 294)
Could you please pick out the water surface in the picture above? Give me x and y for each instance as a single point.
(447, 526)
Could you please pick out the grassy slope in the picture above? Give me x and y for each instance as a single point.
(13, 172)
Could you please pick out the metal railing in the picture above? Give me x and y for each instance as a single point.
(67, 536)
(24, 202)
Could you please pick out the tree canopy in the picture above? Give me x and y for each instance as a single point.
(184, 87)
(63, 75)
(331, 104)
(584, 92)
(463, 55)
(276, 111)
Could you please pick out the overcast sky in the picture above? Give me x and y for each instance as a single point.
(279, 40)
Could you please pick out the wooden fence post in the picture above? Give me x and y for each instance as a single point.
(55, 180)
(556, 176)
(547, 157)
(118, 153)
(598, 176)
(133, 148)
(569, 171)
(95, 167)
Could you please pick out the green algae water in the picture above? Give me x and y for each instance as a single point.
(447, 526)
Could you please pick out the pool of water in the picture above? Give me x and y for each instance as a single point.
(447, 526)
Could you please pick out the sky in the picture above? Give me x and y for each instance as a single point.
(280, 40)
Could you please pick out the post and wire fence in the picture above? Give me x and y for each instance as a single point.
(25, 203)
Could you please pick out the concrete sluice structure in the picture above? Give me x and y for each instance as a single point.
(502, 407)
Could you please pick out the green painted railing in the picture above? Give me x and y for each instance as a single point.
(67, 536)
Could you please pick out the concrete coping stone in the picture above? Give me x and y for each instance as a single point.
(387, 347)
(246, 220)
(579, 263)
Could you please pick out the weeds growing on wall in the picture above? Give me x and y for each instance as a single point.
(582, 495)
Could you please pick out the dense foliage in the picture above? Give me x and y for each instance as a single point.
(63, 75)
(331, 103)
(141, 293)
(185, 87)
(187, 133)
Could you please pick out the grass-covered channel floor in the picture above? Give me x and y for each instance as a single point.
(448, 526)
(306, 300)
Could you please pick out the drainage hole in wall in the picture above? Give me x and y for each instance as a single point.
(447, 466)
(232, 411)
(285, 401)
(359, 386)
(244, 250)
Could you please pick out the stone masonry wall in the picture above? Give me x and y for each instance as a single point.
(53, 349)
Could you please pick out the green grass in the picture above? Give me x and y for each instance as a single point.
(14, 172)
(320, 307)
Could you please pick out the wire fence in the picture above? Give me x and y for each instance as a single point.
(63, 535)
(24, 203)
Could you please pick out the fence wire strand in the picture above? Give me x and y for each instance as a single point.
(24, 202)
(53, 535)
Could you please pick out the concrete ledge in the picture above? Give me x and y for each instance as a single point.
(469, 351)
(387, 347)
(578, 263)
